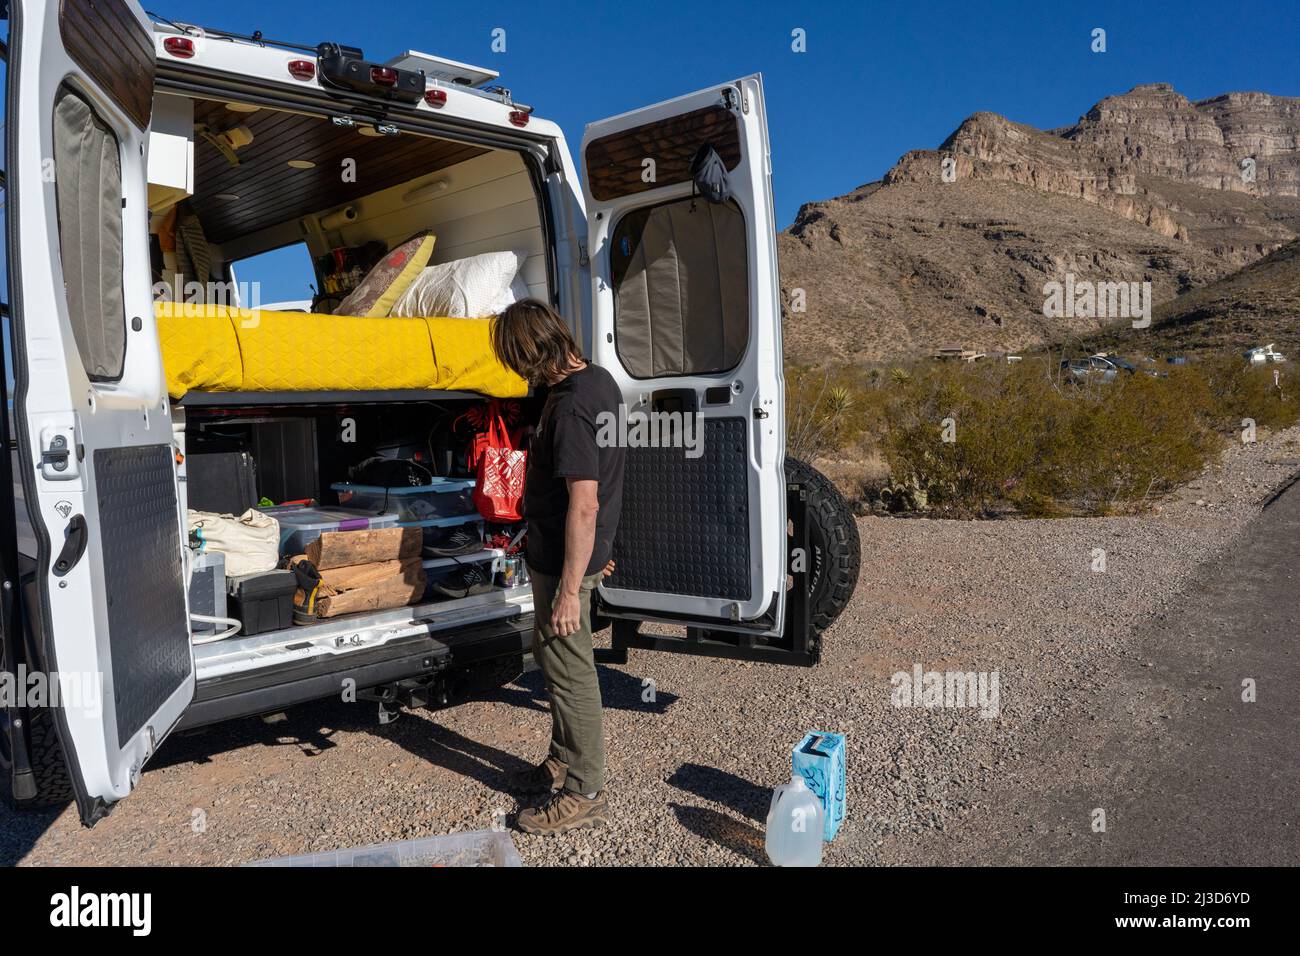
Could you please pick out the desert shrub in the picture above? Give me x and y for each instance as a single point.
(1267, 394)
(1027, 441)
(829, 409)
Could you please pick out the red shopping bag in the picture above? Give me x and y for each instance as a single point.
(499, 464)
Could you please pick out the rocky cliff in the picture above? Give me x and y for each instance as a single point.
(954, 245)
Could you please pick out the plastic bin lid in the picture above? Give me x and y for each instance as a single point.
(312, 518)
(442, 522)
(439, 486)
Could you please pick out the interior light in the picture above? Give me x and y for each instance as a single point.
(302, 164)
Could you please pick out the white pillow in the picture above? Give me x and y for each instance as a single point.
(472, 288)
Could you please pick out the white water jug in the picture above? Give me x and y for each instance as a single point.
(794, 825)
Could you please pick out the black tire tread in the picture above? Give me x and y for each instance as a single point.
(834, 519)
(53, 782)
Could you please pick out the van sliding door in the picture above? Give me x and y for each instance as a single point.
(686, 316)
(92, 418)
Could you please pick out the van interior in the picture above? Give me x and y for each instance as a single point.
(253, 193)
(291, 202)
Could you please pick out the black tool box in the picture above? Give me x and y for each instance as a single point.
(263, 602)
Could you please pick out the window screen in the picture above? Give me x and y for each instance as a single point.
(88, 184)
(681, 288)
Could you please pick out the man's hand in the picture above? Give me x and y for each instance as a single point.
(609, 568)
(566, 614)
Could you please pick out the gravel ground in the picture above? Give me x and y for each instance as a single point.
(691, 770)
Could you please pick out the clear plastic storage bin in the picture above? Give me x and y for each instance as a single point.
(300, 526)
(477, 848)
(443, 498)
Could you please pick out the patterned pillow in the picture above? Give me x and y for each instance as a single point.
(385, 283)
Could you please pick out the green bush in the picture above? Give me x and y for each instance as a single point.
(1027, 439)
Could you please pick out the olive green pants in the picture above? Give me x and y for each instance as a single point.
(569, 666)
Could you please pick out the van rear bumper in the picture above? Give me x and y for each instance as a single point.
(284, 685)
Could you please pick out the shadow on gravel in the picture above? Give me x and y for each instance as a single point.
(720, 786)
(717, 827)
(618, 691)
(19, 831)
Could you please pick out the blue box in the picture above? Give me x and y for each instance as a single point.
(819, 760)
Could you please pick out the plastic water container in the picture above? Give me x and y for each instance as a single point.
(794, 825)
(300, 526)
(478, 848)
(443, 498)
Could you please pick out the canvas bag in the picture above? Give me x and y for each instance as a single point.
(499, 466)
(251, 542)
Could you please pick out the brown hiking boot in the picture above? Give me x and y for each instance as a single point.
(547, 776)
(563, 812)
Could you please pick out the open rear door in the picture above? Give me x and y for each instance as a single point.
(686, 316)
(93, 425)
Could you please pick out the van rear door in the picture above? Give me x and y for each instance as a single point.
(93, 423)
(686, 316)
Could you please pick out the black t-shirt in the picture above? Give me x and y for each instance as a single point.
(564, 446)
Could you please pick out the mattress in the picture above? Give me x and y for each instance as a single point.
(219, 349)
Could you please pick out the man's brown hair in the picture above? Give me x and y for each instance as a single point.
(532, 339)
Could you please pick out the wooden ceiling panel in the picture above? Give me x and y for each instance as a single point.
(271, 192)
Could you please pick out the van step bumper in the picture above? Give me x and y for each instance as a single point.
(274, 689)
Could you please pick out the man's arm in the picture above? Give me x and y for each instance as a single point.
(579, 541)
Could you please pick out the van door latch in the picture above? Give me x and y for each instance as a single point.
(58, 454)
(74, 546)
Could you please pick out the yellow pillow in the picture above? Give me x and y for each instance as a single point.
(385, 283)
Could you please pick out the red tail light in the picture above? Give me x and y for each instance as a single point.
(436, 98)
(519, 117)
(302, 69)
(182, 47)
(383, 76)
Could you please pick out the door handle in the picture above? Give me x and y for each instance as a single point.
(74, 545)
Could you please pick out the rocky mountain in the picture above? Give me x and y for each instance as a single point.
(955, 245)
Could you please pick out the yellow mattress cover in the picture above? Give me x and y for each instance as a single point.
(214, 348)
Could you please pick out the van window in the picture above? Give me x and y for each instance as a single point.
(284, 275)
(88, 189)
(680, 272)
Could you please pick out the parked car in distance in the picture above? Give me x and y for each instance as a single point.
(1263, 355)
(1096, 368)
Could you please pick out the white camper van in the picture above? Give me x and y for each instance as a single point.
(113, 123)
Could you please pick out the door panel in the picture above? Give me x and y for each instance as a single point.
(686, 317)
(92, 419)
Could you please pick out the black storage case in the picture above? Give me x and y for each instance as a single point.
(263, 602)
(221, 482)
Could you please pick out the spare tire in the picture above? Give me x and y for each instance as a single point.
(833, 540)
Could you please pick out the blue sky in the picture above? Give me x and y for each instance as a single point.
(876, 80)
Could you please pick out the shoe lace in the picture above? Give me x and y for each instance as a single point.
(557, 805)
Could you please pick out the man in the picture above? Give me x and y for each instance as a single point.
(572, 496)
